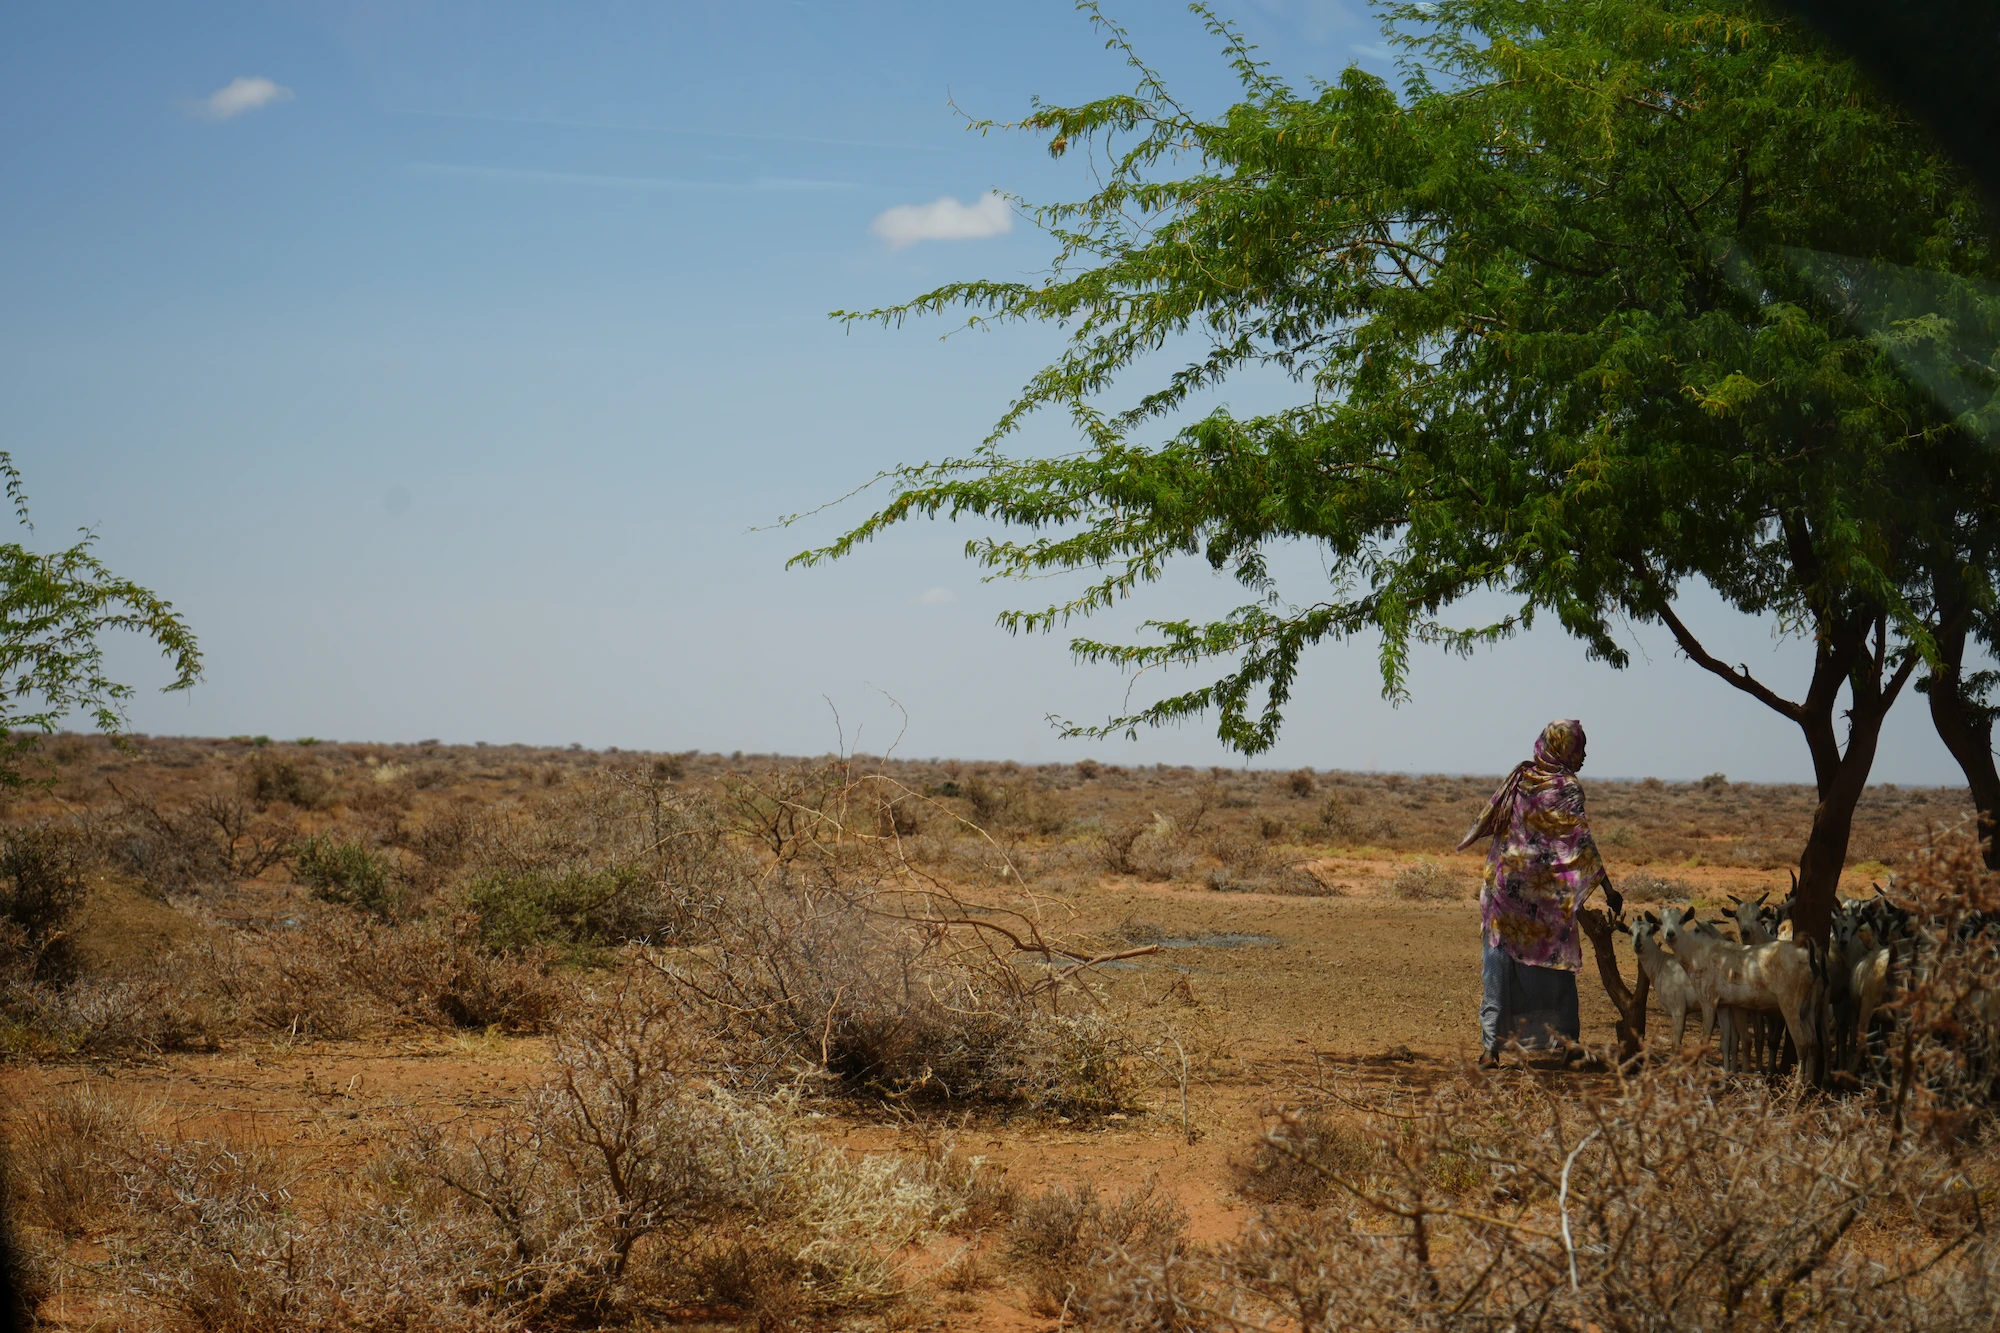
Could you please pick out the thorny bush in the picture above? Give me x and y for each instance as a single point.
(596, 863)
(624, 1188)
(1940, 1056)
(41, 890)
(903, 994)
(215, 839)
(1668, 1202)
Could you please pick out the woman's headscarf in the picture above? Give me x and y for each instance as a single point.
(1558, 751)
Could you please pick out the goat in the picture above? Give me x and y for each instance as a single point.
(1750, 927)
(1845, 948)
(1765, 977)
(1882, 938)
(1762, 1029)
(1672, 989)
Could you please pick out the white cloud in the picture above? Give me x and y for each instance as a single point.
(241, 95)
(935, 597)
(945, 220)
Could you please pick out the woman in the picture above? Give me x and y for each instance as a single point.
(1542, 865)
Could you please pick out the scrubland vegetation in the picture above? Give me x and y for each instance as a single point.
(710, 963)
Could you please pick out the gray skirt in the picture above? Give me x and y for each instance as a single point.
(1535, 1006)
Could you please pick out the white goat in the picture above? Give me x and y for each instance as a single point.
(1766, 977)
(1750, 927)
(1672, 990)
(1761, 1029)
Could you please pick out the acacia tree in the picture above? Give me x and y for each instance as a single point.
(55, 610)
(1565, 330)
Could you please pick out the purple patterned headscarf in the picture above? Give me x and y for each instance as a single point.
(1558, 752)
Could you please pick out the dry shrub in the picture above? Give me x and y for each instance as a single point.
(1037, 810)
(215, 839)
(1941, 1064)
(1426, 879)
(1299, 1169)
(1341, 820)
(1023, 806)
(334, 974)
(213, 1239)
(968, 1273)
(607, 859)
(1117, 845)
(914, 997)
(270, 779)
(1068, 1241)
(794, 810)
(439, 846)
(982, 1196)
(338, 972)
(1156, 850)
(1055, 867)
(186, 999)
(41, 890)
(1163, 859)
(26, 1270)
(66, 1155)
(1250, 866)
(1671, 1202)
(624, 1189)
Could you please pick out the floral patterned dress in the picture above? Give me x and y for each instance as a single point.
(1542, 863)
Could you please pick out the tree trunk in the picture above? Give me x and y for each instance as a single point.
(1629, 1002)
(1833, 823)
(1851, 653)
(1966, 728)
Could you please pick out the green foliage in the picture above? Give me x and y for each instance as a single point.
(350, 873)
(54, 612)
(519, 910)
(1612, 296)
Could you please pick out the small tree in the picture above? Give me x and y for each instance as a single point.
(54, 612)
(1579, 316)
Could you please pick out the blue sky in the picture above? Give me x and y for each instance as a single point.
(447, 363)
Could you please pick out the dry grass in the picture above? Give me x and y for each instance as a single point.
(1424, 878)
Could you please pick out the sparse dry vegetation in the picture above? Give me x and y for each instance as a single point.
(1669, 1201)
(626, 1183)
(706, 962)
(1425, 878)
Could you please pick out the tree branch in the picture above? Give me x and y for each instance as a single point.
(1739, 676)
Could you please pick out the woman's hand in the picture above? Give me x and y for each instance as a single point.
(1614, 899)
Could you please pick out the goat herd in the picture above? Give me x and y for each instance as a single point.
(1770, 993)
